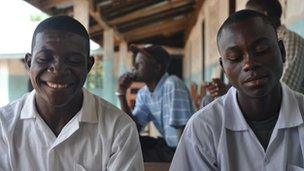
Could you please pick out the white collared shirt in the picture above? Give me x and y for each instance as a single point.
(99, 137)
(217, 138)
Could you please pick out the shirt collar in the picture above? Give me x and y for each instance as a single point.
(289, 116)
(234, 119)
(87, 113)
(29, 110)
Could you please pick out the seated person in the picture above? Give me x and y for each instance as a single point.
(60, 125)
(165, 100)
(293, 70)
(258, 124)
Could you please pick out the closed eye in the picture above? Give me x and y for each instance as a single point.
(233, 56)
(261, 49)
(75, 59)
(261, 46)
(43, 57)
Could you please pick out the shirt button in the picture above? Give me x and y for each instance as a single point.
(266, 161)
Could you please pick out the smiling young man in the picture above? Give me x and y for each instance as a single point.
(60, 125)
(258, 124)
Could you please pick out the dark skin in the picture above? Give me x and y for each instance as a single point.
(216, 88)
(252, 59)
(58, 67)
(147, 70)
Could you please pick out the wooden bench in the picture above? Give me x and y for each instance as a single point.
(156, 166)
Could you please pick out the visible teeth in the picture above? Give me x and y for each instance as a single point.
(56, 85)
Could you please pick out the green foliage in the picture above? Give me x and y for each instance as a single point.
(38, 17)
(95, 76)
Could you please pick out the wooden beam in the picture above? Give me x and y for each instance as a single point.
(47, 4)
(164, 27)
(94, 29)
(81, 10)
(124, 8)
(181, 11)
(66, 11)
(195, 14)
(35, 3)
(149, 11)
(98, 18)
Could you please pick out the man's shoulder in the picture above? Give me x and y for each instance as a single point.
(300, 100)
(206, 126)
(107, 113)
(10, 113)
(211, 117)
(173, 81)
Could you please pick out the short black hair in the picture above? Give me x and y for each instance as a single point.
(272, 7)
(240, 16)
(62, 23)
(158, 53)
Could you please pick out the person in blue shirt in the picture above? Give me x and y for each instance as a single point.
(165, 100)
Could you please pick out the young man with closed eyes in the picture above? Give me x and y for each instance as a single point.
(258, 125)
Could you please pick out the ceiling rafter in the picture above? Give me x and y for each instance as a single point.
(157, 21)
(155, 18)
(99, 19)
(95, 29)
(150, 10)
(118, 11)
(163, 27)
(47, 4)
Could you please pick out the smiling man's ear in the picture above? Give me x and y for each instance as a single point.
(91, 61)
(28, 60)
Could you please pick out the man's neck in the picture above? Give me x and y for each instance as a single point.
(153, 83)
(56, 117)
(258, 109)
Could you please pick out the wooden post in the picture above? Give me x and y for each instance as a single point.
(108, 67)
(123, 55)
(81, 12)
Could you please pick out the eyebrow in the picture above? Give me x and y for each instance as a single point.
(260, 40)
(256, 42)
(44, 49)
(232, 49)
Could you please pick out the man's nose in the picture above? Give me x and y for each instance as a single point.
(57, 67)
(250, 62)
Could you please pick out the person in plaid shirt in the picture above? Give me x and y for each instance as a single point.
(165, 100)
(293, 73)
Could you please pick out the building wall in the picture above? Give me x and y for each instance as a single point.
(293, 15)
(212, 14)
(18, 79)
(3, 82)
(13, 80)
